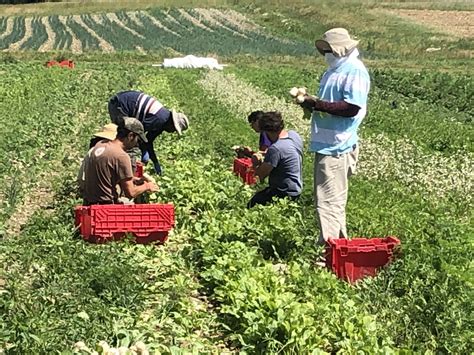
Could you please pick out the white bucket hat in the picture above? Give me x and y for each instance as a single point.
(180, 121)
(336, 41)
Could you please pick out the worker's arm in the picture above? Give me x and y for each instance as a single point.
(337, 108)
(271, 161)
(263, 170)
(131, 190)
(148, 147)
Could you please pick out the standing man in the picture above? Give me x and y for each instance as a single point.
(107, 165)
(282, 163)
(336, 117)
(155, 118)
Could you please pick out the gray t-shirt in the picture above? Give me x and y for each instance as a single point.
(286, 158)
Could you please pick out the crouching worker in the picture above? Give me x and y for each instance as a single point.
(107, 165)
(263, 144)
(155, 118)
(282, 163)
(109, 132)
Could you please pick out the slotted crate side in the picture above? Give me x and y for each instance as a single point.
(243, 167)
(83, 220)
(353, 259)
(147, 222)
(139, 219)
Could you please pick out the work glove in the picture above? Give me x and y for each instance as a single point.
(157, 167)
(145, 157)
(309, 103)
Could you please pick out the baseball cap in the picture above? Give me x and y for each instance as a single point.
(135, 126)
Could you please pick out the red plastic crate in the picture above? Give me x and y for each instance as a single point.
(146, 222)
(243, 167)
(64, 63)
(139, 170)
(353, 259)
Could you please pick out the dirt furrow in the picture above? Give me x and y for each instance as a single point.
(48, 45)
(103, 44)
(28, 33)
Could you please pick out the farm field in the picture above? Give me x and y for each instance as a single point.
(229, 279)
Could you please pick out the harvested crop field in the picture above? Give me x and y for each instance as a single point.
(457, 23)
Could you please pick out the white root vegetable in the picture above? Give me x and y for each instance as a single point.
(149, 178)
(294, 92)
(302, 91)
(141, 348)
(113, 351)
(300, 99)
(102, 347)
(80, 345)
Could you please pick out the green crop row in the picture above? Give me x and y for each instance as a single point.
(18, 31)
(229, 278)
(375, 208)
(38, 36)
(158, 29)
(56, 289)
(63, 38)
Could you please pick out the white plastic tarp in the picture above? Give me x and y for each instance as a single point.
(191, 61)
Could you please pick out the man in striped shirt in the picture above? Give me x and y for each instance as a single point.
(336, 116)
(155, 118)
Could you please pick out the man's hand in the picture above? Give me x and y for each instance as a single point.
(151, 186)
(157, 167)
(247, 151)
(257, 159)
(309, 103)
(131, 190)
(243, 151)
(138, 180)
(263, 171)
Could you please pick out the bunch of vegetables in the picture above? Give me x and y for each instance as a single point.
(298, 94)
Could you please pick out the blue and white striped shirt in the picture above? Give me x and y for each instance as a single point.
(349, 82)
(145, 108)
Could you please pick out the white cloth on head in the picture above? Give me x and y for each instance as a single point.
(334, 62)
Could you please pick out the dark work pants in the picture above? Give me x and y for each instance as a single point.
(266, 196)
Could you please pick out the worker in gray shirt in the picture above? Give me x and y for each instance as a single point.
(283, 162)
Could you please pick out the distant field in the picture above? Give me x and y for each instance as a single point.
(183, 30)
(386, 33)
